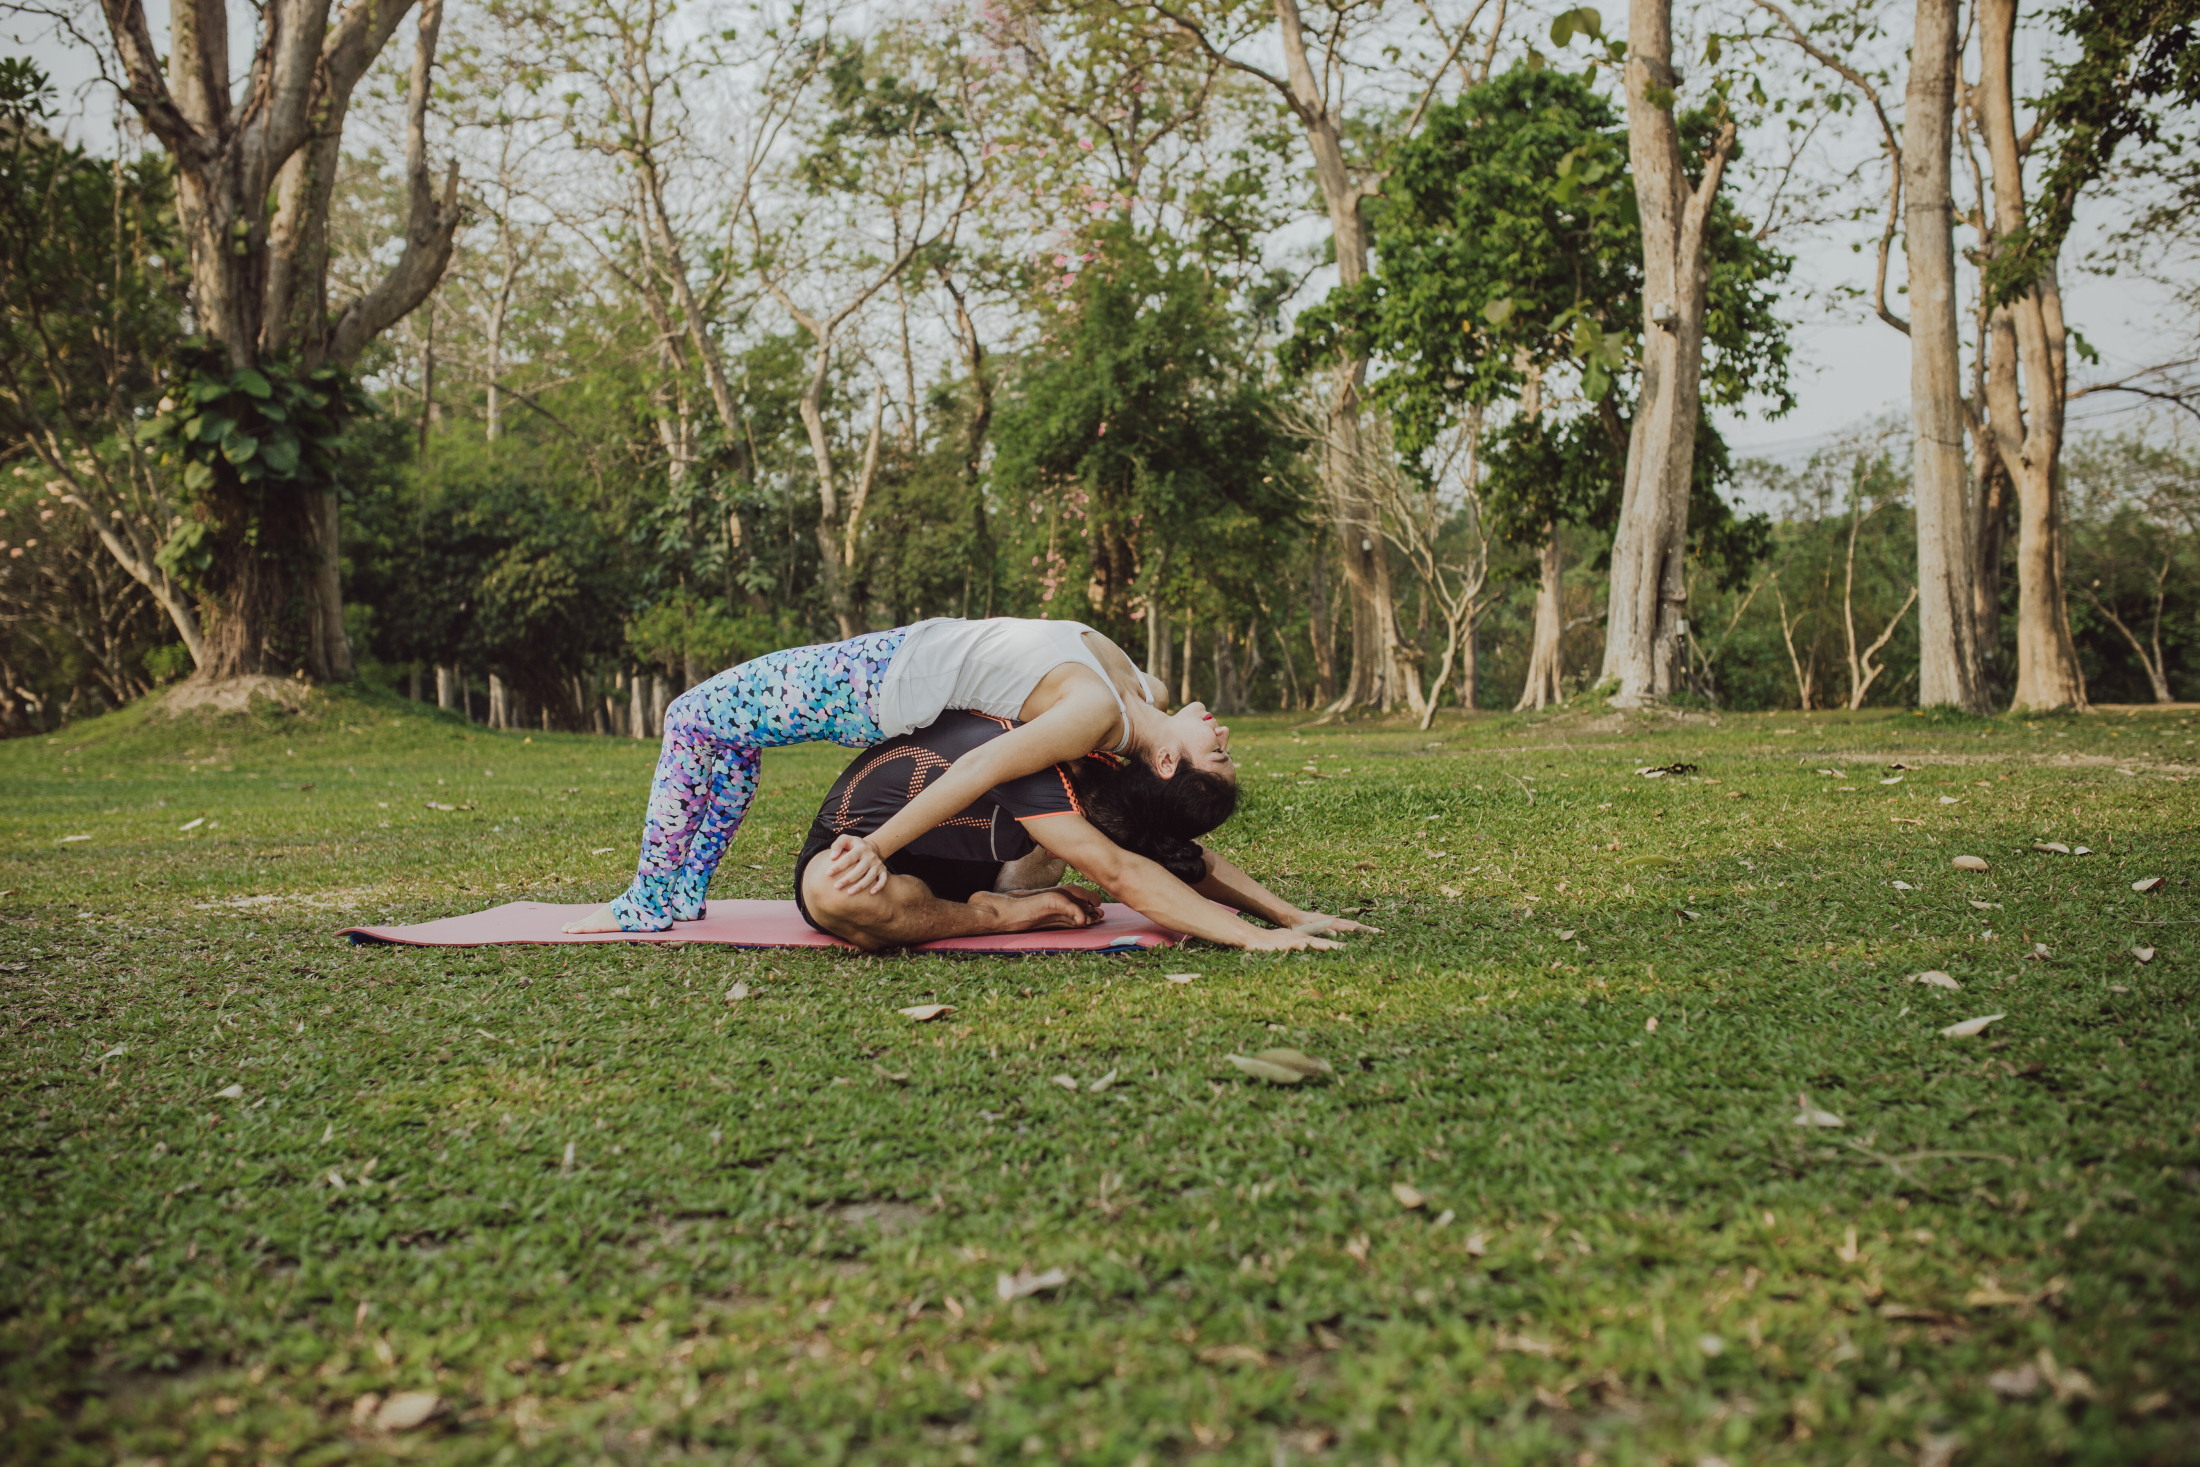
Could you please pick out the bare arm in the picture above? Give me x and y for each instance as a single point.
(1149, 889)
(1072, 728)
(1227, 883)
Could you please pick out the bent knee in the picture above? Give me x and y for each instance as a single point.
(848, 915)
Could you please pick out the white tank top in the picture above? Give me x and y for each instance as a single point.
(987, 666)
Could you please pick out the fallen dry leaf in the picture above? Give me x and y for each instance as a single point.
(1477, 1245)
(1567, 935)
(407, 1409)
(1950, 800)
(1101, 1084)
(1449, 891)
(1523, 1344)
(1181, 977)
(1934, 978)
(2051, 845)
(1067, 1082)
(1651, 1027)
(1984, 906)
(2143, 954)
(2147, 884)
(1896, 780)
(1280, 1066)
(1023, 1283)
(1969, 863)
(1810, 1115)
(925, 1013)
(230, 1092)
(740, 991)
(1408, 1195)
(2020, 1384)
(1970, 1027)
(1232, 1355)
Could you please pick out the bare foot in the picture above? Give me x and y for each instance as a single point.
(599, 920)
(1037, 911)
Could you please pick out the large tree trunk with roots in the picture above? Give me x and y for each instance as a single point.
(1951, 671)
(255, 181)
(1649, 595)
(2028, 433)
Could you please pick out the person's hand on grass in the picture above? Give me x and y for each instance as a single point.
(1305, 922)
(1286, 941)
(855, 867)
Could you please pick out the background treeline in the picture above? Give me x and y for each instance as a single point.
(752, 337)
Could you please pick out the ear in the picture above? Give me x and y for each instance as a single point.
(1165, 760)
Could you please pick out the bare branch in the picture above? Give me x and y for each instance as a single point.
(430, 229)
(148, 88)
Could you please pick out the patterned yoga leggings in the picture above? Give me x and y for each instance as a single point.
(706, 775)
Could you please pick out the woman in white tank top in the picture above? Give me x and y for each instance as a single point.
(1072, 689)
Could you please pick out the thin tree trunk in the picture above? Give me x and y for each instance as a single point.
(637, 711)
(1184, 693)
(1991, 498)
(1950, 669)
(2047, 672)
(1317, 618)
(1649, 589)
(1544, 666)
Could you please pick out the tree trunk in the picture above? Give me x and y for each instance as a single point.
(1649, 595)
(1317, 617)
(1992, 499)
(1375, 674)
(2047, 673)
(446, 688)
(660, 698)
(1544, 667)
(1470, 662)
(255, 165)
(1950, 670)
(1184, 693)
(637, 707)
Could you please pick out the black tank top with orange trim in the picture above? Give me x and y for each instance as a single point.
(884, 778)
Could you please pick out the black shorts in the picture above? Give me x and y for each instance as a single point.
(950, 880)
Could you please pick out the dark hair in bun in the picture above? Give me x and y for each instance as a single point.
(1160, 819)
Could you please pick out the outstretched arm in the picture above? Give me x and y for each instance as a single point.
(1148, 888)
(1226, 883)
(1072, 728)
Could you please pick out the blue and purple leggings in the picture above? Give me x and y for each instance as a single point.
(714, 733)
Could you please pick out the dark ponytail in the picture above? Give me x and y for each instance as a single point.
(1160, 819)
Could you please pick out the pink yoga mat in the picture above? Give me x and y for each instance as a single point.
(750, 924)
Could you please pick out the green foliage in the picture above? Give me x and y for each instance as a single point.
(90, 297)
(683, 631)
(276, 425)
(2138, 65)
(1138, 424)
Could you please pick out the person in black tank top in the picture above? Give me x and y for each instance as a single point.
(994, 867)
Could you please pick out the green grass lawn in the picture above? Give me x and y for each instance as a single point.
(604, 1213)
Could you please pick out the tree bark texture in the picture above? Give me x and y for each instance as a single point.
(1951, 671)
(1649, 590)
(255, 179)
(2028, 433)
(1543, 684)
(1550, 621)
(1374, 678)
